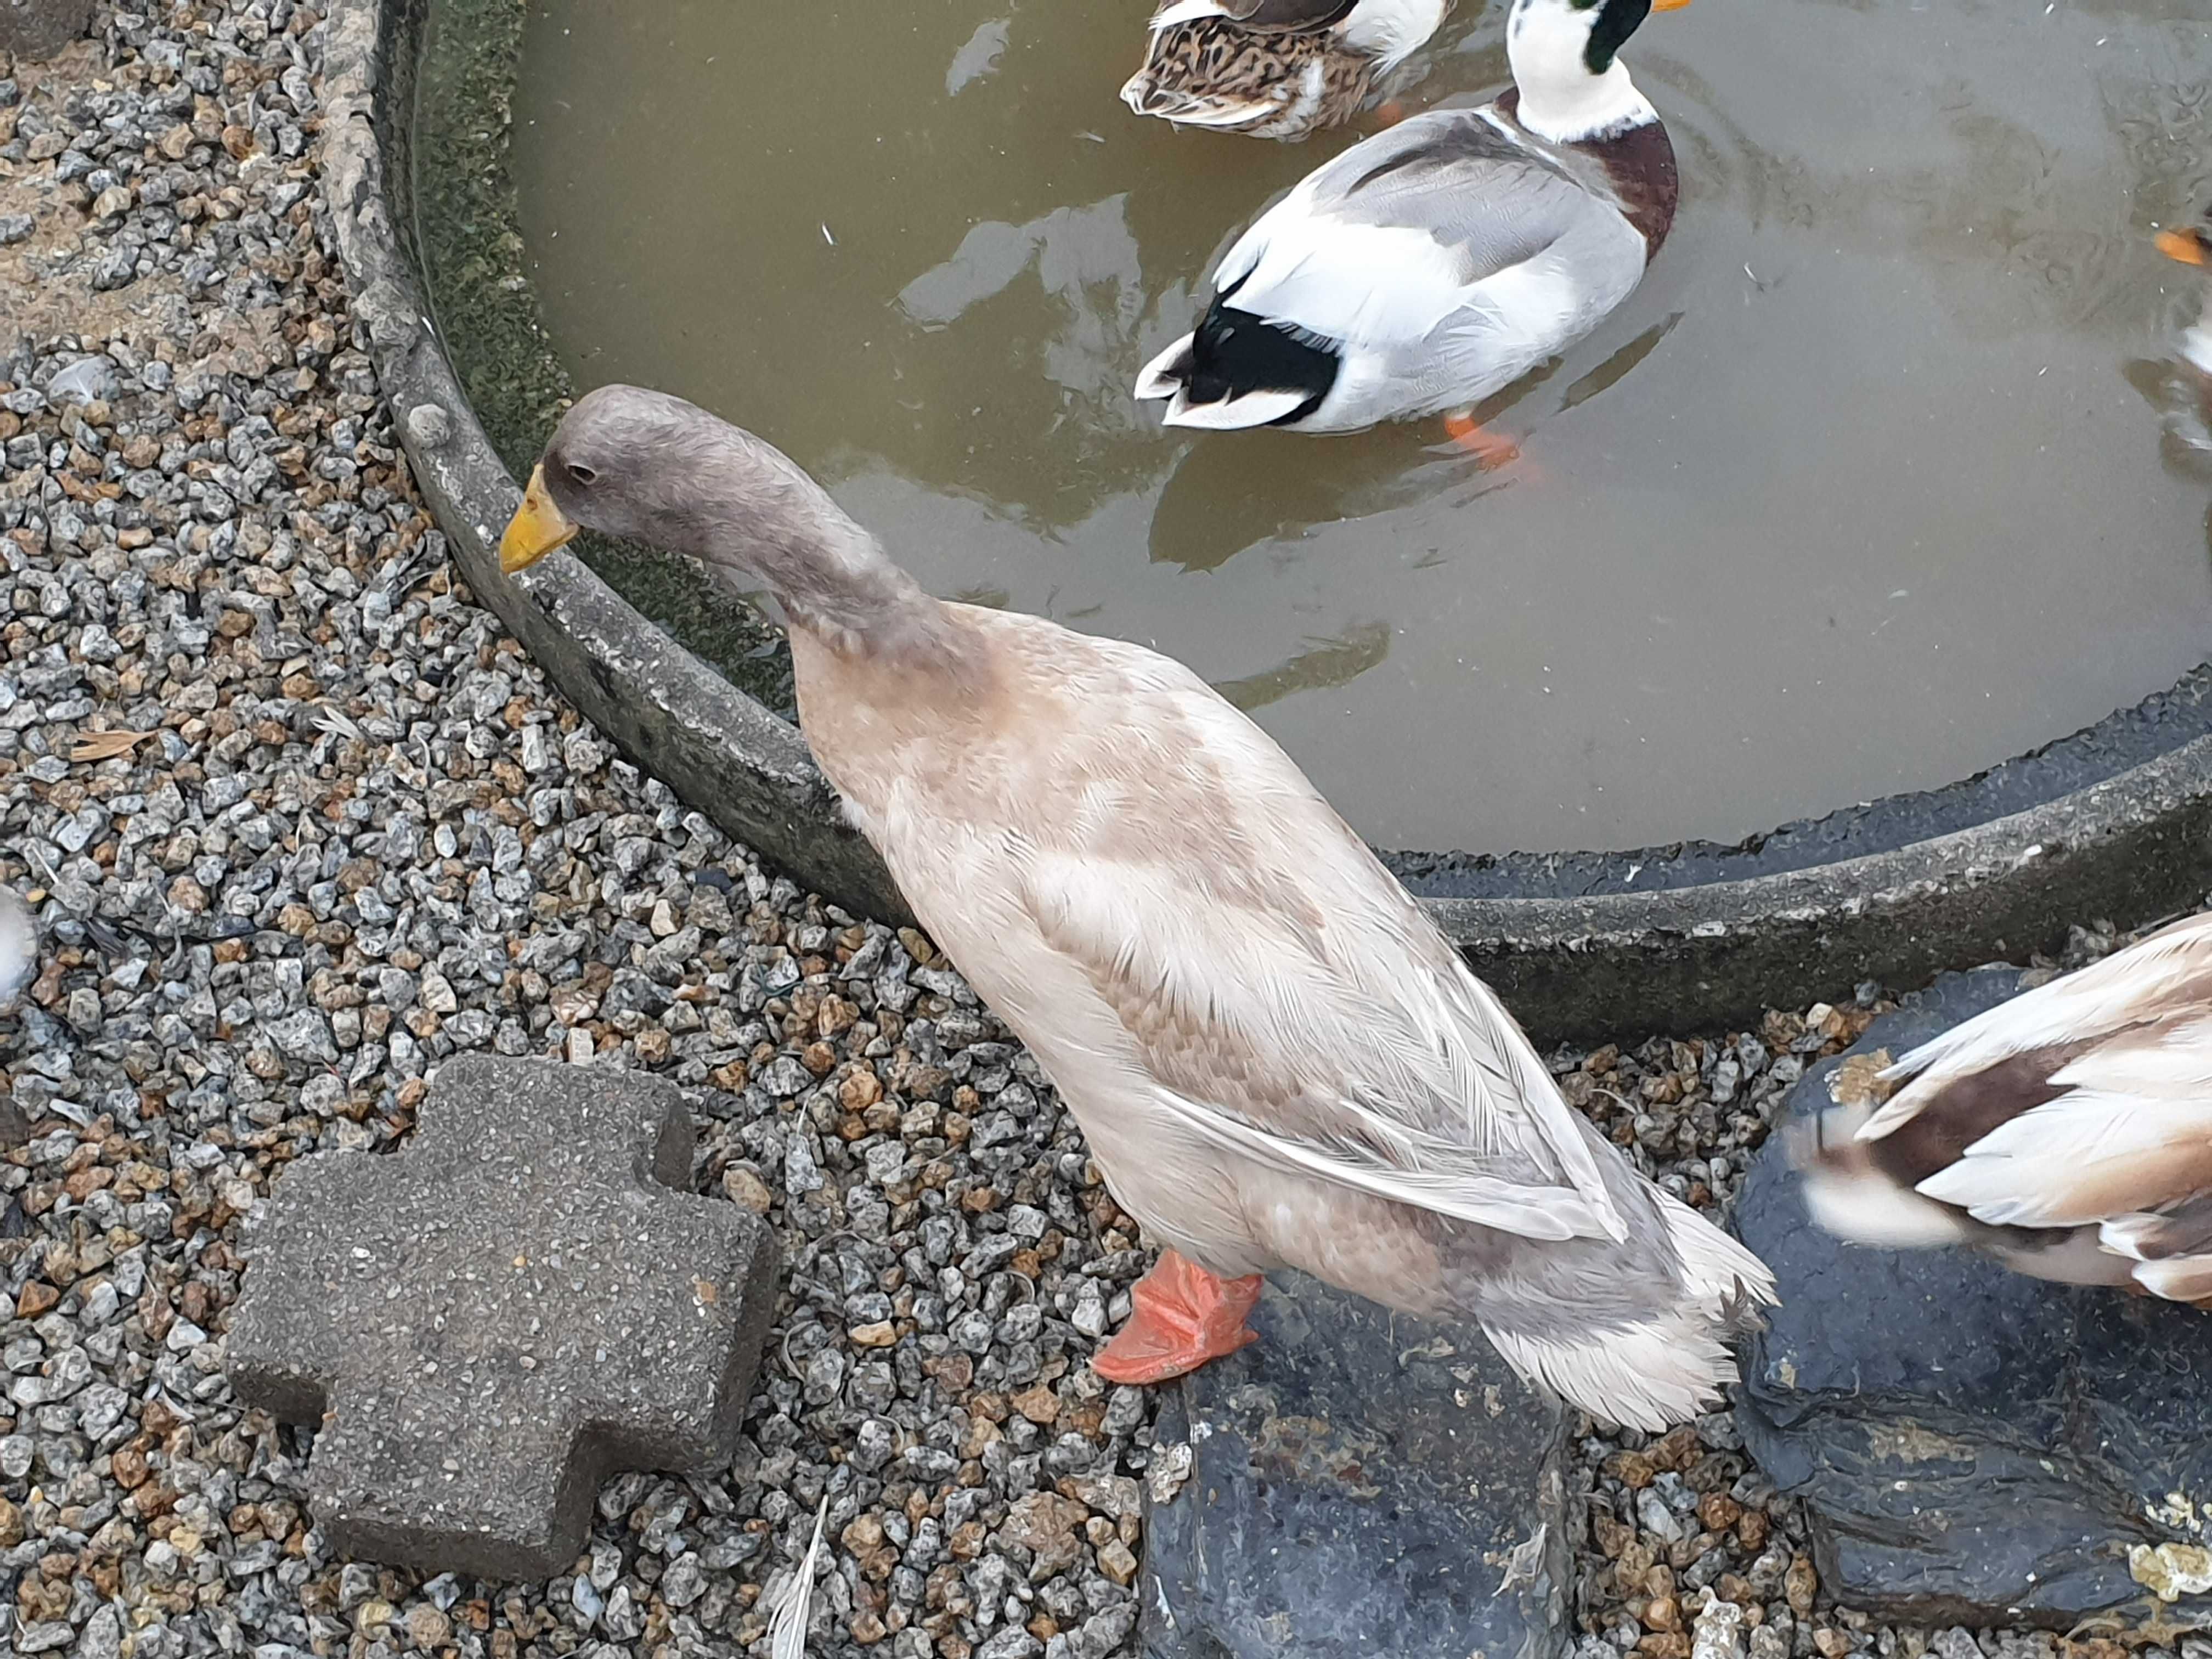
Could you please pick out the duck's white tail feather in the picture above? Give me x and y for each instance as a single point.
(1165, 376)
(1249, 409)
(1668, 1369)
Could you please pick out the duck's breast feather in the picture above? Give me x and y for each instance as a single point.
(1212, 930)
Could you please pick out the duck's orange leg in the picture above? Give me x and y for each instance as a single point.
(1489, 449)
(1389, 112)
(1184, 1316)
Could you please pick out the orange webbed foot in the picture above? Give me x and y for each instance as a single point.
(1490, 449)
(2191, 247)
(1184, 1316)
(1389, 112)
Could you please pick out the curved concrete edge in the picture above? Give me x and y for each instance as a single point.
(720, 749)
(2130, 848)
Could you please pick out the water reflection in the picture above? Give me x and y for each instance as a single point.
(1854, 495)
(1322, 663)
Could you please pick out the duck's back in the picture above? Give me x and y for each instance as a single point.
(1275, 1056)
(1157, 900)
(1441, 259)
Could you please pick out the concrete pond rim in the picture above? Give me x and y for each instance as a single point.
(2113, 821)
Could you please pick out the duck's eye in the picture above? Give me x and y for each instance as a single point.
(583, 474)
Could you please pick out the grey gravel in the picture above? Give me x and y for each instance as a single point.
(358, 834)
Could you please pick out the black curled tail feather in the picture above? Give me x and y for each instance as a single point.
(1236, 353)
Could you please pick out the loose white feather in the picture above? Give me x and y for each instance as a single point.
(788, 1632)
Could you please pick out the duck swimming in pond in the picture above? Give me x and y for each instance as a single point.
(1273, 68)
(1276, 1058)
(2066, 1132)
(1434, 264)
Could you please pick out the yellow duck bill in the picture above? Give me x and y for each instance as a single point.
(537, 528)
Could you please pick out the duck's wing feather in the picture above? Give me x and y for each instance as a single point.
(1383, 243)
(2131, 1130)
(1278, 991)
(1264, 17)
(2170, 1249)
(2167, 975)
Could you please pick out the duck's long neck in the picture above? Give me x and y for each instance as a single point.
(1549, 45)
(760, 521)
(1575, 107)
(833, 579)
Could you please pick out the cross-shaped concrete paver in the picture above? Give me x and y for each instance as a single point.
(491, 1322)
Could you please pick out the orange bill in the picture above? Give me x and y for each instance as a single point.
(2188, 246)
(1669, 5)
(537, 528)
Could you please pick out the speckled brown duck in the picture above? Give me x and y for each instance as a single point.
(1276, 1058)
(1273, 68)
(1434, 264)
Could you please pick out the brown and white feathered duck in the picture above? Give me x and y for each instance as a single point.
(1277, 1058)
(2066, 1132)
(1273, 68)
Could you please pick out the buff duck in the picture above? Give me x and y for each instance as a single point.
(2068, 1132)
(1273, 68)
(1277, 1059)
(1440, 260)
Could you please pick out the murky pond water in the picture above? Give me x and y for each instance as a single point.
(1857, 494)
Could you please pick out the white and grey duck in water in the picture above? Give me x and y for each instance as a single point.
(2068, 1132)
(1437, 262)
(1276, 1058)
(1273, 68)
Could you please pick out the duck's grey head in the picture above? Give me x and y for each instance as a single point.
(644, 466)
